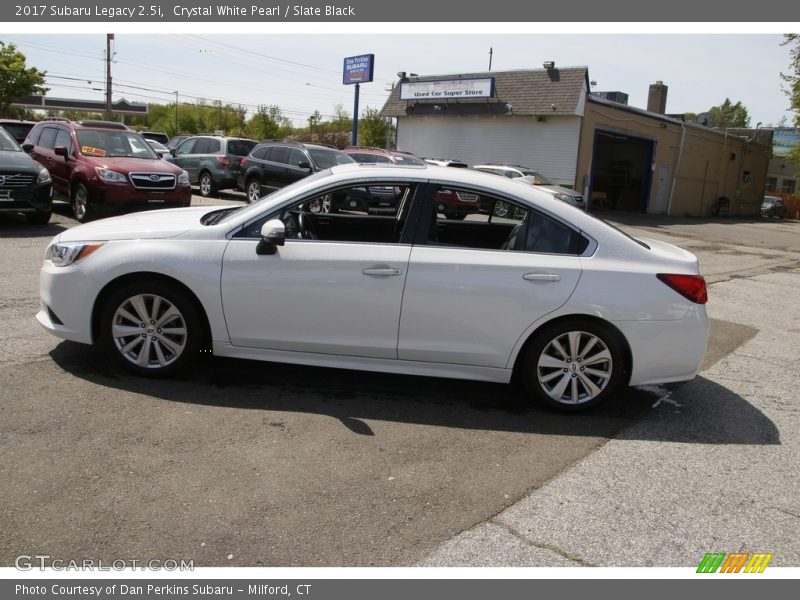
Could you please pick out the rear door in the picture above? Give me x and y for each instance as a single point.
(475, 285)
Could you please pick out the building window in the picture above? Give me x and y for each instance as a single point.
(771, 185)
(789, 186)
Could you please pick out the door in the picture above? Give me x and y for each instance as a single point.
(474, 286)
(59, 166)
(183, 153)
(338, 292)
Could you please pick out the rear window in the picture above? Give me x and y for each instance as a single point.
(19, 131)
(240, 147)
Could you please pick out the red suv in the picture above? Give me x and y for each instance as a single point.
(102, 166)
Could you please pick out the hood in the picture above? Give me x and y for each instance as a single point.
(149, 225)
(13, 160)
(125, 165)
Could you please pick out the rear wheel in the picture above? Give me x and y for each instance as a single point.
(207, 186)
(151, 329)
(573, 365)
(253, 189)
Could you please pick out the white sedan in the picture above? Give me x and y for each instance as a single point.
(569, 305)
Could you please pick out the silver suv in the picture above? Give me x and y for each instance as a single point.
(531, 177)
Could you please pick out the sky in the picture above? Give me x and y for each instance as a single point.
(302, 72)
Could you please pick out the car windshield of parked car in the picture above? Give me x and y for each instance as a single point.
(7, 143)
(93, 142)
(157, 146)
(326, 159)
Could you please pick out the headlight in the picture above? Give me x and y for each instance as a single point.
(110, 176)
(65, 253)
(183, 178)
(44, 176)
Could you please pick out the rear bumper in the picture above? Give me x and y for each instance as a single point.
(667, 351)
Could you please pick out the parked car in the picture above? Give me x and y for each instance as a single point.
(380, 156)
(102, 166)
(161, 138)
(446, 162)
(276, 164)
(570, 305)
(213, 162)
(18, 129)
(25, 185)
(531, 177)
(773, 206)
(158, 148)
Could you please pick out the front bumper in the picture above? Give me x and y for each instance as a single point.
(67, 296)
(34, 198)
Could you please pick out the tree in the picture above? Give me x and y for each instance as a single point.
(16, 80)
(372, 128)
(729, 115)
(793, 90)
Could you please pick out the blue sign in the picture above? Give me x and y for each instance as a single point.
(358, 69)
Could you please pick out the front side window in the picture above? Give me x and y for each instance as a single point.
(279, 154)
(297, 157)
(186, 147)
(64, 139)
(373, 213)
(48, 138)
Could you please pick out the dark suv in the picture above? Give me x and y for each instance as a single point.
(273, 165)
(213, 162)
(25, 185)
(19, 130)
(102, 166)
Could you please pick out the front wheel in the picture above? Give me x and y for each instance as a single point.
(80, 203)
(151, 329)
(573, 365)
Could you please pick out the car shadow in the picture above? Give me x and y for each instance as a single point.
(16, 226)
(700, 411)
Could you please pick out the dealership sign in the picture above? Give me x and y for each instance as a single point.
(358, 69)
(449, 89)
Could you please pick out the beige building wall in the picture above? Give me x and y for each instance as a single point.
(693, 166)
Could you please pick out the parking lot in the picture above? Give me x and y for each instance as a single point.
(240, 463)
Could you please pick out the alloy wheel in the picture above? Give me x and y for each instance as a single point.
(149, 331)
(574, 367)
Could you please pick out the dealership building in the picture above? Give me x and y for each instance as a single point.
(620, 157)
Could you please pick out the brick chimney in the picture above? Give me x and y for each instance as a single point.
(657, 98)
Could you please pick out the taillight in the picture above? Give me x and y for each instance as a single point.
(691, 287)
(223, 160)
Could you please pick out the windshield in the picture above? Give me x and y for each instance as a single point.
(95, 142)
(401, 159)
(326, 159)
(7, 142)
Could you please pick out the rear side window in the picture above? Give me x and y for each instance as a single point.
(279, 154)
(240, 147)
(206, 146)
(48, 139)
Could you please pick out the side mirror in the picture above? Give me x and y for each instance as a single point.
(273, 234)
(61, 150)
(173, 151)
(304, 165)
(28, 147)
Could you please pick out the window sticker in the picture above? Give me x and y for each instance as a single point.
(92, 151)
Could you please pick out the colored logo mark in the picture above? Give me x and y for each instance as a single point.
(734, 562)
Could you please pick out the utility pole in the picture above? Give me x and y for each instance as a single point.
(109, 39)
(176, 112)
(491, 51)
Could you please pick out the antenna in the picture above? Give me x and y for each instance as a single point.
(491, 51)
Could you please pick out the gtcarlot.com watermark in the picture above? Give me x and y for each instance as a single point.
(30, 562)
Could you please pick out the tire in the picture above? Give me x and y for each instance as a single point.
(253, 190)
(551, 380)
(39, 218)
(81, 209)
(208, 188)
(141, 307)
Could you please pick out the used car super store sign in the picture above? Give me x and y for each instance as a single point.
(449, 89)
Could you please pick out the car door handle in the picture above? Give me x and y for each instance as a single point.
(382, 272)
(541, 277)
